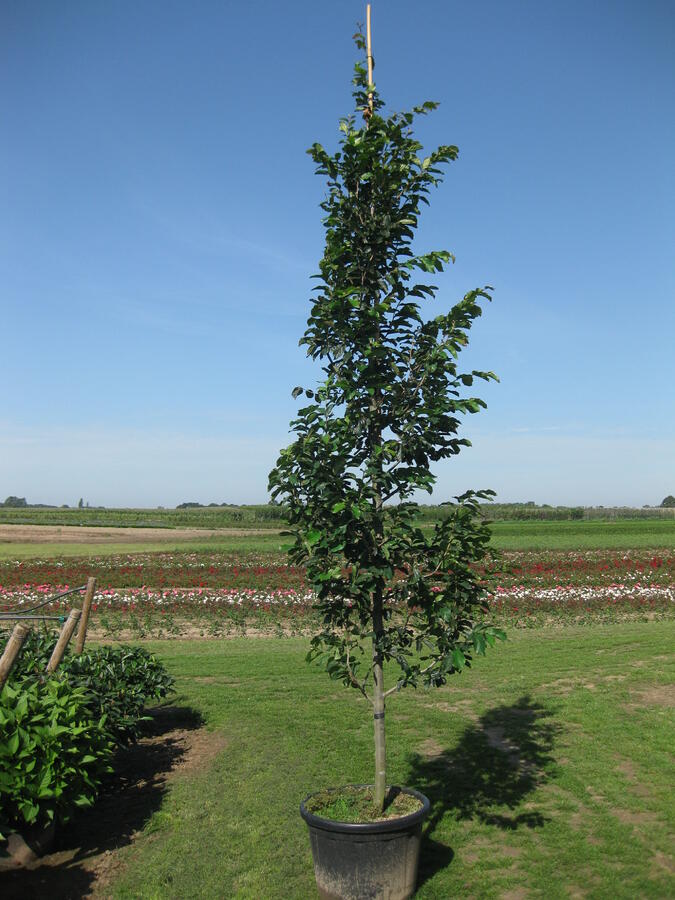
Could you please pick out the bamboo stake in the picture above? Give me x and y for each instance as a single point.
(370, 61)
(64, 638)
(378, 674)
(86, 609)
(12, 650)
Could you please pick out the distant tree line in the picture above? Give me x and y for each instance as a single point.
(13, 502)
(528, 510)
(192, 504)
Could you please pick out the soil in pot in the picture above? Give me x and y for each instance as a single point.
(356, 804)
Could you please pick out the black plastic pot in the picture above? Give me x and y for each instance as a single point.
(376, 861)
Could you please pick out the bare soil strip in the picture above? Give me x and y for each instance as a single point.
(82, 534)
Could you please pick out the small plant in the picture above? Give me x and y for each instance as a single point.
(53, 752)
(387, 408)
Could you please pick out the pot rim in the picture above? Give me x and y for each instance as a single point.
(401, 823)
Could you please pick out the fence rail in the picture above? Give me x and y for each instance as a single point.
(22, 630)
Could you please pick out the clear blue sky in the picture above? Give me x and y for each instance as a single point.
(159, 222)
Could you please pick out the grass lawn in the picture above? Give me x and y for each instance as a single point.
(548, 766)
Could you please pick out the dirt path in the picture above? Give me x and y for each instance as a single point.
(82, 534)
(87, 855)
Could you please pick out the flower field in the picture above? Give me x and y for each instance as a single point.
(209, 594)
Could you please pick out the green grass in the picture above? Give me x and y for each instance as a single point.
(617, 534)
(549, 768)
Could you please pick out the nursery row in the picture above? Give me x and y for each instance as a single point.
(268, 571)
(179, 611)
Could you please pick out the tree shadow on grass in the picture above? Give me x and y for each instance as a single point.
(84, 849)
(487, 776)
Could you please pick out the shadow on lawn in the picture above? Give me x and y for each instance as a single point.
(84, 850)
(487, 776)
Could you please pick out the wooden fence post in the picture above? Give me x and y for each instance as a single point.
(62, 643)
(12, 650)
(84, 621)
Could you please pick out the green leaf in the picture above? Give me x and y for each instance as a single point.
(13, 743)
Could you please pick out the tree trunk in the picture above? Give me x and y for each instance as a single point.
(378, 705)
(378, 617)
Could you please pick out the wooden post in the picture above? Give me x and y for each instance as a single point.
(84, 621)
(64, 638)
(12, 650)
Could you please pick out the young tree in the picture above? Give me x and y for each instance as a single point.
(386, 409)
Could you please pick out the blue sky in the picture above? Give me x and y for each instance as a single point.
(159, 224)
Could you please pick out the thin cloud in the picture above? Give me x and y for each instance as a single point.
(211, 236)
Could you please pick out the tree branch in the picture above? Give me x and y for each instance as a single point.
(399, 684)
(354, 681)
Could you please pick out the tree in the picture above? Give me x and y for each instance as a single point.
(668, 501)
(386, 408)
(15, 502)
(80, 503)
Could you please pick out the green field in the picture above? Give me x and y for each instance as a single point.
(620, 534)
(272, 516)
(261, 516)
(228, 543)
(617, 534)
(549, 769)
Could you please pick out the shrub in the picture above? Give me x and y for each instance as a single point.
(53, 752)
(121, 680)
(35, 653)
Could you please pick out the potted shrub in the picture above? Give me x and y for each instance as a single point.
(394, 598)
(54, 753)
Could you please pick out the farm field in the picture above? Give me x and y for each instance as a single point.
(272, 516)
(57, 542)
(548, 766)
(206, 593)
(202, 517)
(21, 541)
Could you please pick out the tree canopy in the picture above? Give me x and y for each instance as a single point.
(387, 407)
